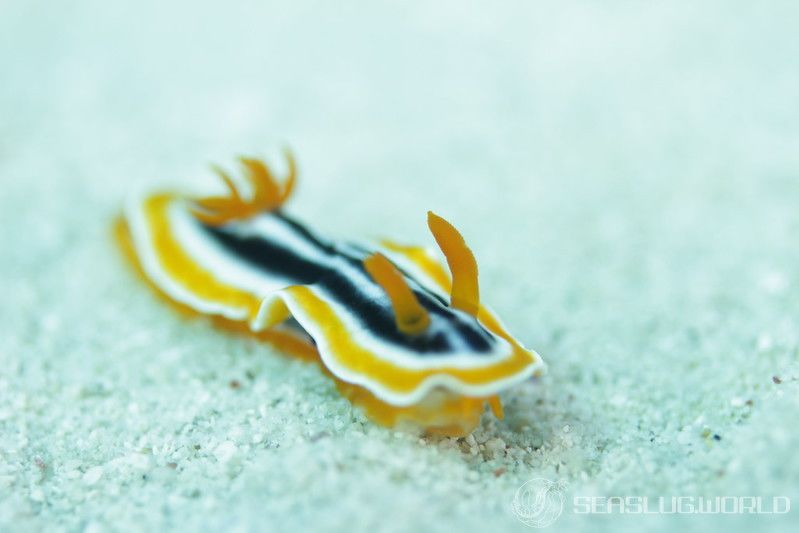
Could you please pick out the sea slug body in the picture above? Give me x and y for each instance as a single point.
(405, 338)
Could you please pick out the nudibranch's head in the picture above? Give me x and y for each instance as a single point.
(446, 356)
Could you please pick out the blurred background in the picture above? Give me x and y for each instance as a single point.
(626, 173)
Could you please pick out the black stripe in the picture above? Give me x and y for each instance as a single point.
(269, 256)
(378, 316)
(374, 314)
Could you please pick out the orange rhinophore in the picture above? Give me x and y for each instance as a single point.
(461, 261)
(412, 318)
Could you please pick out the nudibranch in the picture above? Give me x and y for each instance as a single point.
(404, 337)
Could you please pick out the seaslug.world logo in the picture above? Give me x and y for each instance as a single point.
(539, 502)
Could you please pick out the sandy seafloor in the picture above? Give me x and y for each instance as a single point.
(627, 174)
